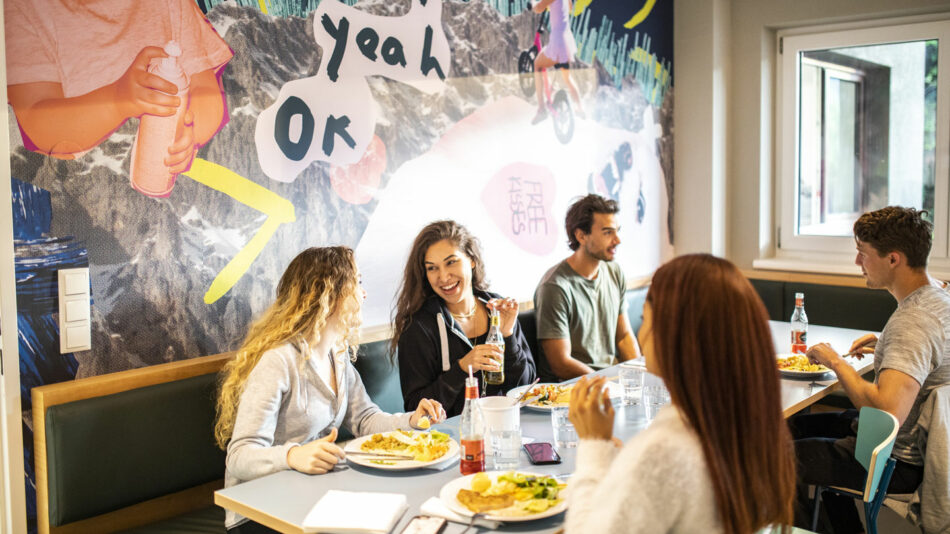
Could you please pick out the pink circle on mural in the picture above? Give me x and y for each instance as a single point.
(358, 183)
(519, 198)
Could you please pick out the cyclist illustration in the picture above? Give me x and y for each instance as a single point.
(558, 53)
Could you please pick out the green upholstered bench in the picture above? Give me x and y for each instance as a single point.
(380, 375)
(859, 308)
(129, 449)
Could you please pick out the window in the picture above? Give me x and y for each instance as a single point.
(861, 125)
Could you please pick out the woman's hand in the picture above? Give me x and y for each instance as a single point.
(427, 408)
(507, 314)
(316, 457)
(591, 412)
(483, 358)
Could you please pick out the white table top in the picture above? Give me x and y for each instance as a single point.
(281, 500)
(797, 393)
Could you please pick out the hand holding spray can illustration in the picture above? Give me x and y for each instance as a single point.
(149, 173)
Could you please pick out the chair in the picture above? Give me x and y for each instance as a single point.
(877, 431)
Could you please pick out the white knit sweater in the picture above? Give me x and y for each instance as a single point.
(658, 482)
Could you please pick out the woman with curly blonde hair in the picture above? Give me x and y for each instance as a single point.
(292, 383)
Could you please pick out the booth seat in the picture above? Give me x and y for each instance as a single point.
(128, 449)
(829, 305)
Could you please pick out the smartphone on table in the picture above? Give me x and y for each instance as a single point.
(424, 524)
(541, 453)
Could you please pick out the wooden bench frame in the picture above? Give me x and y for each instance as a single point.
(98, 386)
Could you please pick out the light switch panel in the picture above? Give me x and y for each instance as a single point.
(77, 283)
(77, 338)
(77, 310)
(74, 318)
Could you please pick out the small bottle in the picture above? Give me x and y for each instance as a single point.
(472, 431)
(799, 325)
(148, 172)
(494, 337)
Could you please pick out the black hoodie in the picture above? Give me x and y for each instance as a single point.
(421, 369)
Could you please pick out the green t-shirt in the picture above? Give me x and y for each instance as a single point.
(570, 306)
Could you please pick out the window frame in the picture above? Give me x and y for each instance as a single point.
(834, 252)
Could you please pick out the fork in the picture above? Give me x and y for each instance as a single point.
(471, 522)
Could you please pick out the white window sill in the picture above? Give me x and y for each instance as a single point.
(806, 266)
(838, 265)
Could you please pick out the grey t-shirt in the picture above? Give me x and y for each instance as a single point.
(570, 306)
(916, 341)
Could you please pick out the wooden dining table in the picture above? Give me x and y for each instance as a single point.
(282, 500)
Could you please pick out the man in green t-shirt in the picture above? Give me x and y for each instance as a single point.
(582, 324)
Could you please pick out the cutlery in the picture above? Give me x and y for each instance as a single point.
(385, 455)
(527, 390)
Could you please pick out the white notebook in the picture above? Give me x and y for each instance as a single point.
(352, 511)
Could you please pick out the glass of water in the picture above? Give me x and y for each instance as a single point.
(655, 396)
(631, 380)
(506, 449)
(565, 436)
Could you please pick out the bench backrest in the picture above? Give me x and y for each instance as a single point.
(125, 449)
(380, 375)
(859, 308)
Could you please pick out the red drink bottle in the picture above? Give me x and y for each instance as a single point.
(472, 432)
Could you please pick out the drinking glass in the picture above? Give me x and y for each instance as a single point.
(655, 395)
(631, 380)
(503, 424)
(565, 436)
(506, 449)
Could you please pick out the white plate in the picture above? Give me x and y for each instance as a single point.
(397, 465)
(789, 373)
(613, 389)
(450, 490)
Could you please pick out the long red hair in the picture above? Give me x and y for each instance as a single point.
(715, 353)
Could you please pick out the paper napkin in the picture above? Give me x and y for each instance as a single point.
(435, 506)
(341, 512)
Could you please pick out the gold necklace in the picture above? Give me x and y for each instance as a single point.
(468, 315)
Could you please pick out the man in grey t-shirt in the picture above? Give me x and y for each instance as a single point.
(911, 358)
(580, 301)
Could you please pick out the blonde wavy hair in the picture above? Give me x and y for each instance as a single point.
(319, 282)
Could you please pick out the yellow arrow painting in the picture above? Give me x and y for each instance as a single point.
(279, 210)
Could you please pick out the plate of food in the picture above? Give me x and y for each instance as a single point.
(798, 366)
(401, 450)
(506, 496)
(546, 396)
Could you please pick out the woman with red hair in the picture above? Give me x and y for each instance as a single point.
(720, 457)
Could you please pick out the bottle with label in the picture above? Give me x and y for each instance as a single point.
(472, 431)
(148, 172)
(799, 325)
(495, 338)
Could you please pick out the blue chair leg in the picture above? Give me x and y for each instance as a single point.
(816, 503)
(870, 517)
(871, 509)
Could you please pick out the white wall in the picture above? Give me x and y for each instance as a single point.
(742, 112)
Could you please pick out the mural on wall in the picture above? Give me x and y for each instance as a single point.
(194, 155)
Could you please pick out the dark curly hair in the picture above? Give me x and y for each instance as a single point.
(900, 229)
(580, 215)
